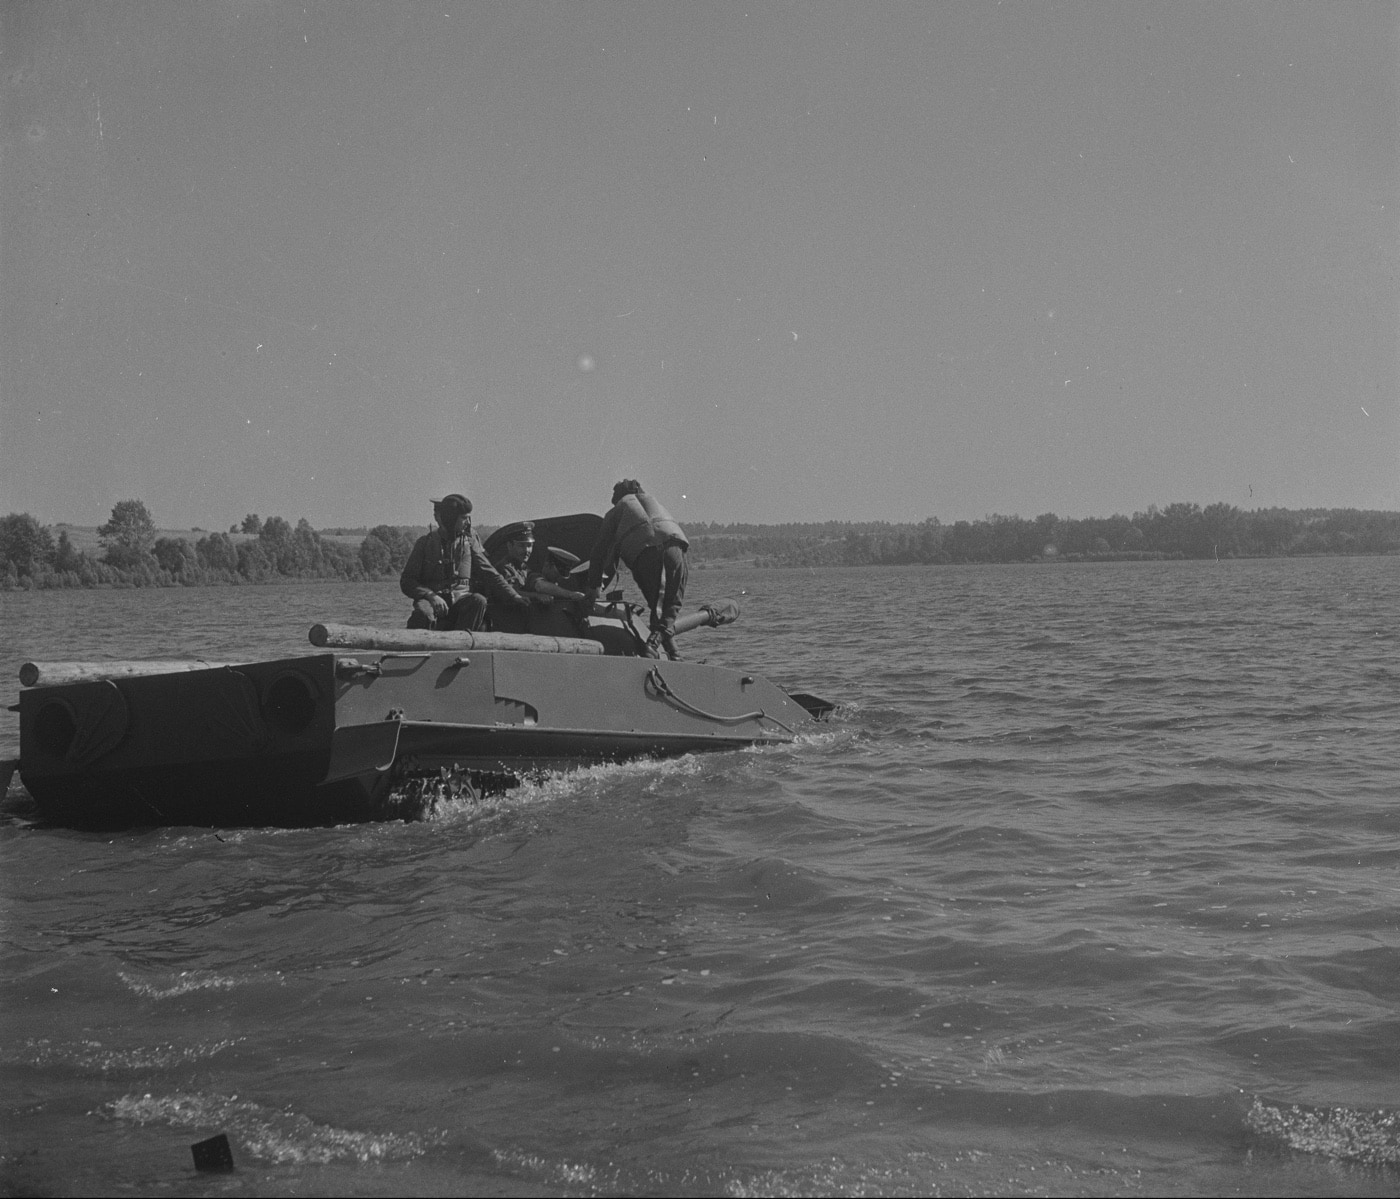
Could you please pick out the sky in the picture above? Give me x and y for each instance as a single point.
(779, 261)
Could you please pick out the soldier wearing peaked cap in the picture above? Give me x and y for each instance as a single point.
(542, 587)
(566, 615)
(561, 561)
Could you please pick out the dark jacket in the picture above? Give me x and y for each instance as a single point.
(635, 522)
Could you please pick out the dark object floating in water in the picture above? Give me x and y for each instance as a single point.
(213, 1156)
(339, 736)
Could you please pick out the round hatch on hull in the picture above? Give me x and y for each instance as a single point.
(55, 728)
(289, 705)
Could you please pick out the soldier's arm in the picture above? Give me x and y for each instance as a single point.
(410, 582)
(545, 587)
(604, 556)
(487, 579)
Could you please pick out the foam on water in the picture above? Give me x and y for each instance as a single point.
(186, 981)
(446, 803)
(274, 1136)
(907, 1172)
(1372, 1137)
(106, 1059)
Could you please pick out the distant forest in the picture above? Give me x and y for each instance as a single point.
(1176, 531)
(128, 551)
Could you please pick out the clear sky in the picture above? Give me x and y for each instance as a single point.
(779, 261)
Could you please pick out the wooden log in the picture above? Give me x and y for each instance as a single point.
(344, 636)
(34, 674)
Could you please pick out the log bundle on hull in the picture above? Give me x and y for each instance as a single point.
(348, 636)
(32, 674)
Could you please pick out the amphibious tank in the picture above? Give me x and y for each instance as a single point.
(378, 721)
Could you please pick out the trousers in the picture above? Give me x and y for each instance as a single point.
(661, 573)
(468, 613)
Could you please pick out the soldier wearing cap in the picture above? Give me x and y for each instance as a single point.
(558, 566)
(541, 587)
(443, 567)
(566, 614)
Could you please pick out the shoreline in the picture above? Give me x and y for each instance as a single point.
(162, 580)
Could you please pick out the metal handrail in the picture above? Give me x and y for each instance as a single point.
(663, 688)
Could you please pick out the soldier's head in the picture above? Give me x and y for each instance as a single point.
(453, 514)
(558, 564)
(520, 543)
(625, 487)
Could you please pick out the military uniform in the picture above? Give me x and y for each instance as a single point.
(450, 568)
(548, 615)
(509, 618)
(641, 533)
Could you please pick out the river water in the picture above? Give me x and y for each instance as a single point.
(1089, 887)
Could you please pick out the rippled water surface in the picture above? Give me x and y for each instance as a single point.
(1089, 887)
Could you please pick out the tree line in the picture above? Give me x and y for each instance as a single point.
(1180, 530)
(274, 550)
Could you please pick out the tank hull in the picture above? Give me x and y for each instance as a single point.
(334, 737)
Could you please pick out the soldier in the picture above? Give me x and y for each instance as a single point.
(442, 568)
(566, 614)
(559, 566)
(542, 588)
(640, 532)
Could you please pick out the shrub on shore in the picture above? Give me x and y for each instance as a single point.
(133, 556)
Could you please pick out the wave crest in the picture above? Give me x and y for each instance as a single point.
(1338, 1132)
(275, 1136)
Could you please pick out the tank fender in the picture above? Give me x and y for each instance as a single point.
(358, 749)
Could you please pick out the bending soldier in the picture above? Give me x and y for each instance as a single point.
(640, 532)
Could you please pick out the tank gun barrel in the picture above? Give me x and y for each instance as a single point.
(724, 611)
(721, 612)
